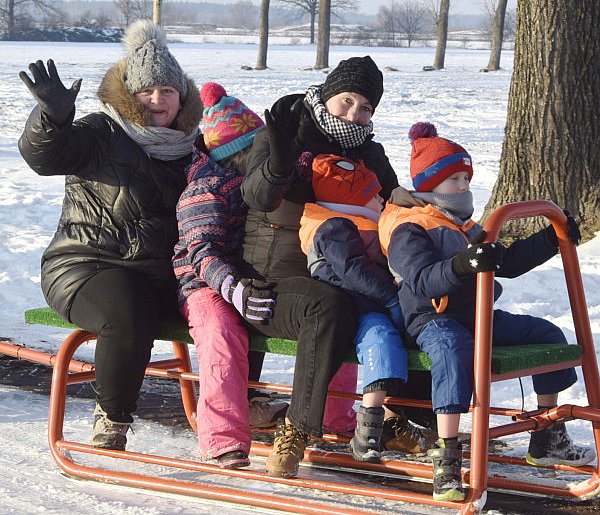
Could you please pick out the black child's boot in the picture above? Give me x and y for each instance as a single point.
(366, 442)
(553, 445)
(447, 462)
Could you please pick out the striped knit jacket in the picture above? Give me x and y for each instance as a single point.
(210, 217)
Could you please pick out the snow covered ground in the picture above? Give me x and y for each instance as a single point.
(466, 105)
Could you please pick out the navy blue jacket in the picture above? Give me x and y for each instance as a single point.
(420, 243)
(343, 250)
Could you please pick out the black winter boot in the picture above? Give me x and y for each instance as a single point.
(366, 442)
(553, 445)
(447, 462)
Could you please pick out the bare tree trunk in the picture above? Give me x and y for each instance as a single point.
(323, 37)
(157, 11)
(126, 9)
(313, 17)
(551, 148)
(497, 36)
(263, 38)
(10, 19)
(442, 35)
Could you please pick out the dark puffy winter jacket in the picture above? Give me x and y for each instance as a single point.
(420, 243)
(272, 244)
(119, 204)
(343, 250)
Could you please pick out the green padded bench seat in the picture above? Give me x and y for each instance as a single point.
(504, 359)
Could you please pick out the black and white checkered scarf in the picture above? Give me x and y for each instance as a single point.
(348, 135)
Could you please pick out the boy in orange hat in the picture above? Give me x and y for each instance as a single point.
(339, 235)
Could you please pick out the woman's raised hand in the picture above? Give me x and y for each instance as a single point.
(50, 93)
(284, 149)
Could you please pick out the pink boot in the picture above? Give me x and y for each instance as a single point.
(340, 417)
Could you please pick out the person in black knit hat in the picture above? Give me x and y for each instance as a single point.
(330, 118)
(357, 74)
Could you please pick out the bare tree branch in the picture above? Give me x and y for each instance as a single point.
(300, 8)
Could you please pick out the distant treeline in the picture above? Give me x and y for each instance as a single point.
(72, 34)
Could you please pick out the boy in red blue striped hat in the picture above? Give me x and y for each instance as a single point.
(436, 251)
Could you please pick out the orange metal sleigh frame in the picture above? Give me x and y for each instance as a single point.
(477, 476)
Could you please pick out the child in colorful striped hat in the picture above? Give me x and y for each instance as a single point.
(214, 286)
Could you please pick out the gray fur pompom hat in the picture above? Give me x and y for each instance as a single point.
(149, 62)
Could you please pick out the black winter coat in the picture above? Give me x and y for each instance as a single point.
(119, 204)
(272, 244)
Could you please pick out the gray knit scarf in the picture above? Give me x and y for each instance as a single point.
(158, 142)
(458, 207)
(348, 135)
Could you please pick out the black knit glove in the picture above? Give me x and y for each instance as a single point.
(285, 149)
(573, 231)
(478, 257)
(53, 98)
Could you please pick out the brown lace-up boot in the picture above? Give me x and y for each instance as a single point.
(400, 435)
(288, 451)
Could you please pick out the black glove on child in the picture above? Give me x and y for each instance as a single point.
(573, 231)
(478, 257)
(53, 98)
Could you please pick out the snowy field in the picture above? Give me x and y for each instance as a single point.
(466, 105)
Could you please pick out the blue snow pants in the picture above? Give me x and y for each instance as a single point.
(451, 347)
(380, 349)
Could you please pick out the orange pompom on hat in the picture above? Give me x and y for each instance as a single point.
(229, 126)
(434, 159)
(342, 181)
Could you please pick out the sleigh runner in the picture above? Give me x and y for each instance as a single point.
(491, 365)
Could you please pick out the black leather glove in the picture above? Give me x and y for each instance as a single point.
(573, 231)
(253, 298)
(308, 136)
(285, 149)
(478, 257)
(46, 87)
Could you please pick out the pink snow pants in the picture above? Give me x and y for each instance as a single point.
(221, 343)
(340, 417)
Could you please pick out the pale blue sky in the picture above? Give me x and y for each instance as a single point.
(372, 6)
